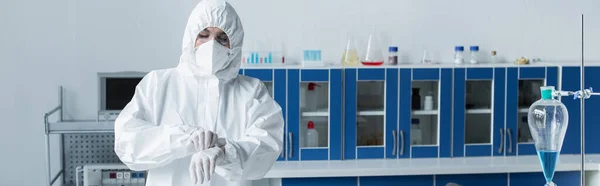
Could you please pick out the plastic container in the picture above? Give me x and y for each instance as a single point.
(393, 56)
(311, 98)
(458, 55)
(428, 102)
(474, 54)
(415, 132)
(312, 136)
(548, 120)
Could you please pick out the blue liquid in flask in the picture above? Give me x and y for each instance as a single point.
(548, 160)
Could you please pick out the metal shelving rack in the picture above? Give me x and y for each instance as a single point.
(83, 142)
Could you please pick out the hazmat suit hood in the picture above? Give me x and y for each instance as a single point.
(219, 14)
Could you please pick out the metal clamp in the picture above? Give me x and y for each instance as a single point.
(501, 141)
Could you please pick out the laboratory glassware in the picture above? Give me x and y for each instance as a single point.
(416, 99)
(548, 119)
(474, 54)
(393, 57)
(415, 132)
(350, 56)
(312, 136)
(426, 58)
(494, 57)
(428, 102)
(458, 55)
(373, 55)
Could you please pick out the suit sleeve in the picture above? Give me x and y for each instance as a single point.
(251, 157)
(142, 144)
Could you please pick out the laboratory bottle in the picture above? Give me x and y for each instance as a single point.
(415, 132)
(458, 55)
(548, 119)
(416, 99)
(494, 57)
(312, 97)
(474, 54)
(393, 56)
(428, 102)
(312, 136)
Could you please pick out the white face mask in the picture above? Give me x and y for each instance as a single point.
(211, 57)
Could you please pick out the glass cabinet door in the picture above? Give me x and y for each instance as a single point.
(275, 81)
(523, 88)
(365, 109)
(314, 114)
(477, 102)
(425, 112)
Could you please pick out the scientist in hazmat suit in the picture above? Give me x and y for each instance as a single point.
(201, 123)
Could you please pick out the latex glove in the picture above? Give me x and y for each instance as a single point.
(203, 164)
(203, 139)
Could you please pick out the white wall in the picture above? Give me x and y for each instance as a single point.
(44, 44)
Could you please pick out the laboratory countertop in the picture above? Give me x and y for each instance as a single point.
(430, 166)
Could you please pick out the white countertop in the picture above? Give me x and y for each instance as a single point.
(430, 166)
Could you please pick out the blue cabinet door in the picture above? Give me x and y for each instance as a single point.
(329, 119)
(478, 111)
(473, 179)
(424, 180)
(592, 106)
(570, 81)
(424, 132)
(571, 178)
(276, 81)
(369, 114)
(338, 181)
(522, 80)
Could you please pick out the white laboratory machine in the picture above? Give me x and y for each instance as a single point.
(112, 175)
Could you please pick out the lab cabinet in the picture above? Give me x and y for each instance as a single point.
(335, 181)
(425, 113)
(478, 111)
(275, 81)
(369, 112)
(314, 100)
(570, 178)
(421, 180)
(522, 89)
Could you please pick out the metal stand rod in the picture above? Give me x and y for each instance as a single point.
(582, 108)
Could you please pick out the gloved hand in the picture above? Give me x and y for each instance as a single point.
(203, 139)
(203, 163)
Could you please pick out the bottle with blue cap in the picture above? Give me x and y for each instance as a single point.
(393, 57)
(474, 54)
(458, 55)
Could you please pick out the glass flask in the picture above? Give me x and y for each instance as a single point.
(374, 54)
(350, 56)
(548, 119)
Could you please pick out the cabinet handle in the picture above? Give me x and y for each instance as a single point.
(291, 148)
(501, 141)
(402, 143)
(509, 140)
(395, 144)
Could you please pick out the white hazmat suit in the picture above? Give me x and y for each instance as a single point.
(204, 92)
